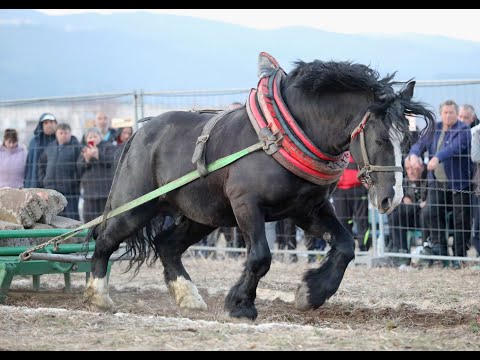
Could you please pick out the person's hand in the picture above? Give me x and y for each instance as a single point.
(89, 153)
(86, 155)
(433, 163)
(415, 162)
(422, 204)
(407, 200)
(94, 152)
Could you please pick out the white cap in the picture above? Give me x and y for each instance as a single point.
(48, 117)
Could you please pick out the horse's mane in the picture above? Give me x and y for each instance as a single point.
(393, 108)
(319, 77)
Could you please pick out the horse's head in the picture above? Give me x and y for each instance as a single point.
(378, 141)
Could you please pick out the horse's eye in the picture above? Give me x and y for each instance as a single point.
(382, 141)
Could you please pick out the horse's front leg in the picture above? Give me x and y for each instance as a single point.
(240, 300)
(320, 284)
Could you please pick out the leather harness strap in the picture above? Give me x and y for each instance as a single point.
(199, 156)
(367, 169)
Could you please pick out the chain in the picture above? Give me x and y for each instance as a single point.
(55, 241)
(443, 189)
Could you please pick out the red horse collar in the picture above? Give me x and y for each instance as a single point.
(296, 151)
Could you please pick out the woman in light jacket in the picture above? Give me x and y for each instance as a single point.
(12, 161)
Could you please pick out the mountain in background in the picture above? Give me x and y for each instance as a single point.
(43, 55)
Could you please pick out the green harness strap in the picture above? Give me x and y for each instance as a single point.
(185, 179)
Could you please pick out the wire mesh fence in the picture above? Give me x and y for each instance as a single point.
(404, 234)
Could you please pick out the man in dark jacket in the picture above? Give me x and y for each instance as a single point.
(44, 135)
(58, 169)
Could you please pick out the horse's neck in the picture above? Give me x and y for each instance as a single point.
(330, 119)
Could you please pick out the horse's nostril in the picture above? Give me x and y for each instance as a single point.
(386, 203)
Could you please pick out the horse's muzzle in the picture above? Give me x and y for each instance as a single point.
(386, 204)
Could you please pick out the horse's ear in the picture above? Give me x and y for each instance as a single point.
(407, 93)
(266, 64)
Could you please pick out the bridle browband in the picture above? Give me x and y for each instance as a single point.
(367, 169)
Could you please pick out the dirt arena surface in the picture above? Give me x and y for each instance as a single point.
(374, 309)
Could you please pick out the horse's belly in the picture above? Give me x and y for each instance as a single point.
(205, 207)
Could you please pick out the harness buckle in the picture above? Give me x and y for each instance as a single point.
(269, 139)
(364, 176)
(202, 139)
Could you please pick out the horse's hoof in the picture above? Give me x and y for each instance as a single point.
(96, 295)
(192, 302)
(186, 294)
(98, 303)
(246, 312)
(301, 298)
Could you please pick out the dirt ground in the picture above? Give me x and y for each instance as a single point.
(374, 309)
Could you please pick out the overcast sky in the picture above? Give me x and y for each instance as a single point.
(456, 23)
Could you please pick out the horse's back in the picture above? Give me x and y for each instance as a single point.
(168, 142)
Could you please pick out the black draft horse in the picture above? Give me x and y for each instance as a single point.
(331, 104)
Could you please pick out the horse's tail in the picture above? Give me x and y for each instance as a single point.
(118, 163)
(141, 245)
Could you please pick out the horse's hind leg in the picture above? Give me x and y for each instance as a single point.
(96, 295)
(170, 245)
(320, 284)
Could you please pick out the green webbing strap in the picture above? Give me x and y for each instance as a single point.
(218, 164)
(365, 238)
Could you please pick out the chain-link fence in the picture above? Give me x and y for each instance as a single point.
(80, 111)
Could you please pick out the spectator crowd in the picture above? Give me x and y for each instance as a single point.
(56, 159)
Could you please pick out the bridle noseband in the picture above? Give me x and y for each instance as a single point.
(365, 172)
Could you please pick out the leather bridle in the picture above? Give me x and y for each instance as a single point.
(364, 175)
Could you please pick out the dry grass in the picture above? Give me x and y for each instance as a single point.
(374, 309)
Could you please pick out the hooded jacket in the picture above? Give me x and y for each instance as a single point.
(36, 148)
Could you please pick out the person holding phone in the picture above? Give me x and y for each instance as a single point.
(95, 168)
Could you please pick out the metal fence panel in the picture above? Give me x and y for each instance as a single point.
(79, 112)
